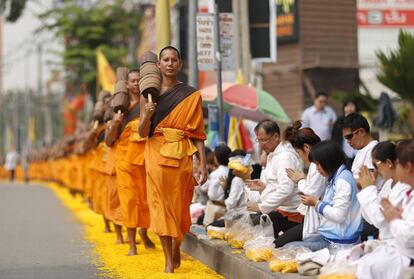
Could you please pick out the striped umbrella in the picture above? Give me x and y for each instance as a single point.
(246, 101)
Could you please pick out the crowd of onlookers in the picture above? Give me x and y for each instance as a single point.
(355, 188)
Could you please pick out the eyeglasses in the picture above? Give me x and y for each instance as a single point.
(263, 140)
(351, 135)
(375, 164)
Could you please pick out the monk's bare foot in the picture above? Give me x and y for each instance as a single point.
(176, 259)
(147, 241)
(107, 230)
(169, 269)
(119, 241)
(132, 251)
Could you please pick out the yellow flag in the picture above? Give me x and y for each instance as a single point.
(234, 140)
(32, 130)
(239, 77)
(106, 75)
(162, 24)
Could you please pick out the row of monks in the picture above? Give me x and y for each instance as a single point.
(136, 168)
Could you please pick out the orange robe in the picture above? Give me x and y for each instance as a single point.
(170, 181)
(113, 209)
(99, 190)
(130, 175)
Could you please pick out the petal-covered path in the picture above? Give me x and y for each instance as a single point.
(42, 236)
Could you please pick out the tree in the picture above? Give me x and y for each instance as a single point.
(396, 69)
(13, 7)
(84, 29)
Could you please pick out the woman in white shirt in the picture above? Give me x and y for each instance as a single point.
(313, 184)
(384, 160)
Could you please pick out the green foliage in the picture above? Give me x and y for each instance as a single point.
(15, 9)
(396, 68)
(84, 29)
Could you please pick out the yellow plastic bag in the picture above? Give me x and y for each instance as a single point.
(289, 266)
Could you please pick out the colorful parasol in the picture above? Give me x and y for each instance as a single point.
(246, 101)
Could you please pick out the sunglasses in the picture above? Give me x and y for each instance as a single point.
(351, 135)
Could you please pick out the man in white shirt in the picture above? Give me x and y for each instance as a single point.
(356, 131)
(274, 194)
(320, 117)
(11, 161)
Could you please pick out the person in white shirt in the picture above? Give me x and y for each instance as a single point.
(384, 160)
(314, 184)
(320, 117)
(388, 261)
(215, 205)
(356, 131)
(11, 162)
(274, 194)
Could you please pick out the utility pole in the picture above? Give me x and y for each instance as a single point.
(1, 57)
(192, 43)
(217, 51)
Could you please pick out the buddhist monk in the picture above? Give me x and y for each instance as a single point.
(130, 167)
(175, 129)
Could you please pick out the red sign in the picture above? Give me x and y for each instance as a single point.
(385, 18)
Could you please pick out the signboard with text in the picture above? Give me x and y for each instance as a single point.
(385, 13)
(287, 20)
(205, 42)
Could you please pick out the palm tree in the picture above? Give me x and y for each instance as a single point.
(396, 69)
(15, 9)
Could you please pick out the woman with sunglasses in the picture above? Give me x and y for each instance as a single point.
(339, 210)
(384, 161)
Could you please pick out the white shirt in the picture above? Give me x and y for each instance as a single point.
(280, 192)
(370, 199)
(320, 121)
(313, 185)
(212, 186)
(237, 197)
(402, 229)
(11, 160)
(363, 158)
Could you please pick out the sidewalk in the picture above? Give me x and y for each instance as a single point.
(39, 237)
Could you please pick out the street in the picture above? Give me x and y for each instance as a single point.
(39, 237)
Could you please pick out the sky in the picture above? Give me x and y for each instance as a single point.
(20, 49)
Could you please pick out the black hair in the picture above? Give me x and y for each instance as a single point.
(355, 121)
(329, 155)
(344, 104)
(321, 93)
(269, 126)
(383, 151)
(230, 175)
(222, 153)
(405, 152)
(171, 48)
(299, 137)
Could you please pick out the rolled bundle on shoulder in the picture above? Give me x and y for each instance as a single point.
(150, 76)
(120, 100)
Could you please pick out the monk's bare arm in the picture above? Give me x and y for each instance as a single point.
(146, 112)
(111, 131)
(201, 154)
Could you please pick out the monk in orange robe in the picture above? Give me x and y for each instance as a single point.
(113, 206)
(130, 168)
(175, 129)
